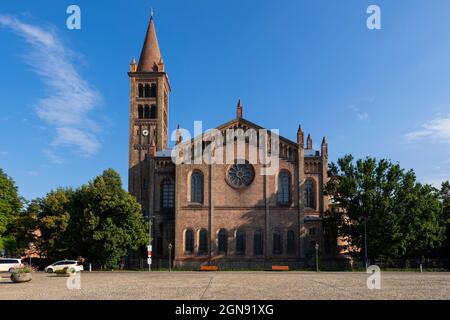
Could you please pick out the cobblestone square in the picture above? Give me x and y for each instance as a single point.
(230, 285)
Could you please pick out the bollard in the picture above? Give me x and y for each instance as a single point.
(90, 267)
(421, 268)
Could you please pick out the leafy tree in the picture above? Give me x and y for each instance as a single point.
(10, 206)
(54, 213)
(22, 231)
(402, 217)
(99, 221)
(107, 221)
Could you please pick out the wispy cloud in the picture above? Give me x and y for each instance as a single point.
(4, 153)
(70, 97)
(436, 130)
(52, 157)
(32, 173)
(360, 114)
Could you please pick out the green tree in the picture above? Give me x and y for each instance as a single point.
(10, 206)
(403, 218)
(54, 215)
(107, 221)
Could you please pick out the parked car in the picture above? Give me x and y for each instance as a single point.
(61, 265)
(10, 264)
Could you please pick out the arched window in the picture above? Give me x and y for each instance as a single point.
(147, 91)
(276, 242)
(197, 187)
(240, 242)
(140, 112)
(290, 241)
(222, 241)
(159, 247)
(309, 195)
(257, 243)
(168, 194)
(203, 241)
(153, 90)
(153, 111)
(284, 188)
(146, 112)
(141, 90)
(189, 241)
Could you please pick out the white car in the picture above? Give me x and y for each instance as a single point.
(10, 264)
(61, 265)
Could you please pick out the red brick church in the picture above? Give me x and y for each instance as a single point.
(224, 214)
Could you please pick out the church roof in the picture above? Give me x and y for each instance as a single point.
(164, 153)
(249, 124)
(312, 153)
(240, 122)
(150, 54)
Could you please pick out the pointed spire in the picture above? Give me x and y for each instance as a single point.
(309, 142)
(179, 136)
(239, 109)
(133, 65)
(300, 136)
(150, 54)
(324, 148)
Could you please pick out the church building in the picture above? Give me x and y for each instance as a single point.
(225, 214)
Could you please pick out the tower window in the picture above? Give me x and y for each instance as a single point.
(197, 187)
(140, 112)
(222, 241)
(240, 242)
(147, 91)
(153, 111)
(141, 90)
(146, 112)
(168, 194)
(189, 241)
(153, 90)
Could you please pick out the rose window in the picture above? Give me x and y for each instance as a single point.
(240, 175)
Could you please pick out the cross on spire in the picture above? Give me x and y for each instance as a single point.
(151, 12)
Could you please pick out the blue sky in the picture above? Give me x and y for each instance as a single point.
(64, 94)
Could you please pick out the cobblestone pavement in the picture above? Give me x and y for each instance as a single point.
(230, 285)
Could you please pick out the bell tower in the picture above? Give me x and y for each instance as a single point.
(149, 113)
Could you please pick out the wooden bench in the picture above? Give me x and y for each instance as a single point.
(280, 268)
(209, 268)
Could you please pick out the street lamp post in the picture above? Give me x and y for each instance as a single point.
(366, 259)
(170, 257)
(317, 257)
